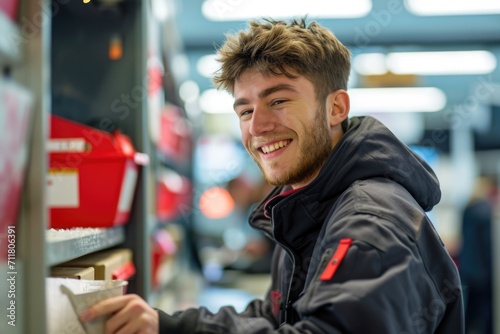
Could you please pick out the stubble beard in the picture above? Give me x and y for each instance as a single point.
(311, 157)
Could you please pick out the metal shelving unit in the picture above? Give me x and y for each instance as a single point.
(29, 66)
(55, 53)
(67, 245)
(28, 55)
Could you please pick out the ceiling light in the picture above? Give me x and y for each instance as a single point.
(370, 64)
(426, 63)
(408, 127)
(453, 7)
(414, 99)
(179, 65)
(213, 101)
(449, 62)
(207, 65)
(234, 10)
(189, 91)
(163, 10)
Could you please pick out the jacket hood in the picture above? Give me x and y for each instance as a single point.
(367, 150)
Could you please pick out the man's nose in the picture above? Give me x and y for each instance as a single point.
(262, 121)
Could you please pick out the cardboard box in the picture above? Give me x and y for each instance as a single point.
(87, 273)
(108, 264)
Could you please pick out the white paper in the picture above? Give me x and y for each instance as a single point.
(62, 312)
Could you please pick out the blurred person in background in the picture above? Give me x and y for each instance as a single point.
(475, 257)
(355, 251)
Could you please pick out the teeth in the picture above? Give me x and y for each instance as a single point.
(274, 147)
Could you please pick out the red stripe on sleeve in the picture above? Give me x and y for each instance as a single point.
(337, 257)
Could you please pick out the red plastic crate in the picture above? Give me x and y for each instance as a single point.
(175, 140)
(92, 176)
(173, 196)
(9, 8)
(163, 249)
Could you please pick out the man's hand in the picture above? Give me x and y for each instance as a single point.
(129, 314)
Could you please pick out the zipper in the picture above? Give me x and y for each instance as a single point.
(287, 303)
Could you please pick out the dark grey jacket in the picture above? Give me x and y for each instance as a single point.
(395, 276)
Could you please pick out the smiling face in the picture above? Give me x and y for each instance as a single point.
(284, 128)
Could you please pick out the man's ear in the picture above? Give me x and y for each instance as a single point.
(337, 107)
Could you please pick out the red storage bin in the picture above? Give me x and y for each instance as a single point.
(175, 135)
(173, 195)
(163, 248)
(92, 175)
(9, 8)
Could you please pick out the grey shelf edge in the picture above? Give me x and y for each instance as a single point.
(59, 251)
(10, 41)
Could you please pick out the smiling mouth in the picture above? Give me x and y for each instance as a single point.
(273, 147)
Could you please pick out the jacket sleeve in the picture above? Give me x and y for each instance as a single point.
(380, 290)
(256, 318)
(354, 299)
(331, 308)
(352, 302)
(376, 289)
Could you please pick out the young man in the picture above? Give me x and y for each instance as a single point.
(355, 251)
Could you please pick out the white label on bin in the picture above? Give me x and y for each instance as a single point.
(128, 187)
(63, 189)
(67, 145)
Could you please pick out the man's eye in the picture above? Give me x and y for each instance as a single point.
(278, 102)
(245, 112)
